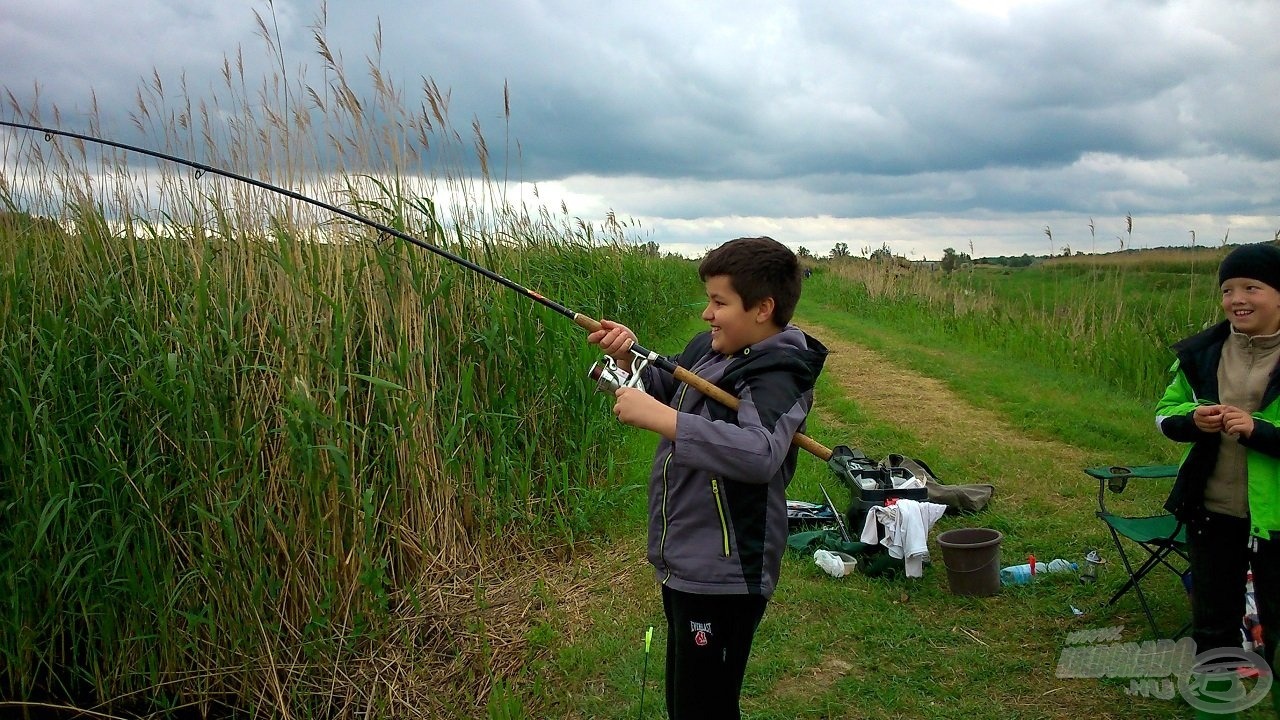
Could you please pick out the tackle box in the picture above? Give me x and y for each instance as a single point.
(872, 483)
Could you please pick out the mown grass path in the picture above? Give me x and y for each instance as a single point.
(861, 647)
(992, 657)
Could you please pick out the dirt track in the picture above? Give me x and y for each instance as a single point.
(889, 390)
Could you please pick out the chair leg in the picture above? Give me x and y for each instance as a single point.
(1141, 572)
(1134, 583)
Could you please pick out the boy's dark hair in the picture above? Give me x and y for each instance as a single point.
(758, 267)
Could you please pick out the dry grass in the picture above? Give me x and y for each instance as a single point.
(1146, 259)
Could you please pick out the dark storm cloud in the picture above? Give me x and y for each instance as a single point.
(691, 112)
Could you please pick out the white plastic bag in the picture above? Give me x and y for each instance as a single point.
(836, 564)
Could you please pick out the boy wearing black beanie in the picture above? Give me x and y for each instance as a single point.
(1223, 403)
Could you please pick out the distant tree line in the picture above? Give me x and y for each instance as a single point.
(952, 260)
(1023, 260)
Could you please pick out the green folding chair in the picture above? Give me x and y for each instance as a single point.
(1163, 537)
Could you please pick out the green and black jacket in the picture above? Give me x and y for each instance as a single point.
(1195, 383)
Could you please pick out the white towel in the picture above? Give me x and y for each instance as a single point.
(906, 531)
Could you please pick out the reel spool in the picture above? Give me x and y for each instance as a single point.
(609, 377)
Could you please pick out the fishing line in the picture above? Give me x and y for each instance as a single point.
(608, 373)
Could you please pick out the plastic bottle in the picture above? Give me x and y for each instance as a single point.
(1021, 574)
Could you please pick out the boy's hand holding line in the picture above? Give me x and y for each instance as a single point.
(1224, 418)
(614, 339)
(1236, 422)
(1208, 418)
(632, 406)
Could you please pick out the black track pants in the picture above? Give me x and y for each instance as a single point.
(1266, 590)
(708, 641)
(1219, 552)
(1221, 555)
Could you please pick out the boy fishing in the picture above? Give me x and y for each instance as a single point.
(717, 489)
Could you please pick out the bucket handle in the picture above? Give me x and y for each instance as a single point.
(983, 566)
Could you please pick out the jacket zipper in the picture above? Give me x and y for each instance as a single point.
(724, 527)
(662, 542)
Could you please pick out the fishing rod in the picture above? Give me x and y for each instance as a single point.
(607, 374)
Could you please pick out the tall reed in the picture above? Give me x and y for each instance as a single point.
(255, 456)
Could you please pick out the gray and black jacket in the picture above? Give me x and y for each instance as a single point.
(717, 494)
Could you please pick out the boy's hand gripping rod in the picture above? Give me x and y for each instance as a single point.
(610, 376)
(582, 321)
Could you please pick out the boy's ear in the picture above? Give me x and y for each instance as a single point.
(764, 310)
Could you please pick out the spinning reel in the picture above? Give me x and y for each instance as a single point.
(609, 376)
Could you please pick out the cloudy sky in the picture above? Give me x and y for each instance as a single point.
(922, 125)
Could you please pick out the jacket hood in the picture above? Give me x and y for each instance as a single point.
(791, 350)
(1198, 357)
(1202, 339)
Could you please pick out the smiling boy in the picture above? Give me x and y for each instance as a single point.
(1223, 402)
(717, 489)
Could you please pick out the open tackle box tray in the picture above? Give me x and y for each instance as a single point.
(871, 484)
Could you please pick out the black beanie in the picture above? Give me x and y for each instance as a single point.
(1260, 261)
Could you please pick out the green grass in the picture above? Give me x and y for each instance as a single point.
(1042, 400)
(1111, 323)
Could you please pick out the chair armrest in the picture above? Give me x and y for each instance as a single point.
(1116, 477)
(1133, 471)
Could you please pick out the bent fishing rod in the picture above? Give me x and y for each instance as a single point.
(607, 374)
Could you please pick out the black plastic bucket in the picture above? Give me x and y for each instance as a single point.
(972, 558)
